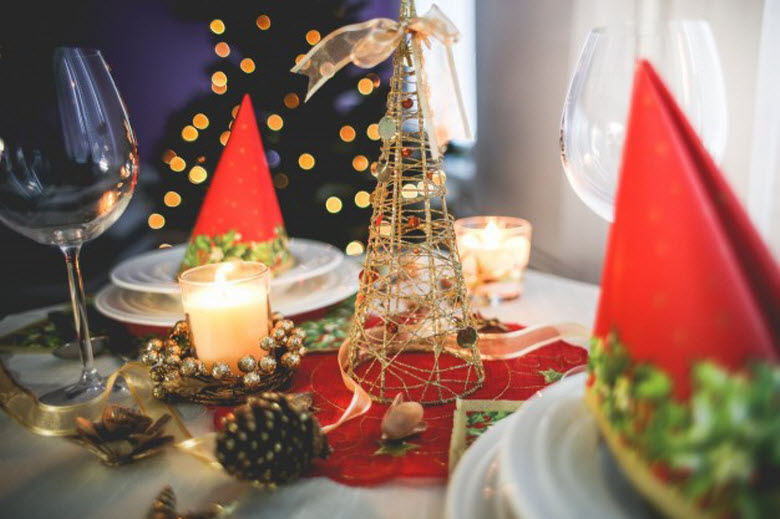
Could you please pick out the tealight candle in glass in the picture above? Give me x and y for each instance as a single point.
(228, 310)
(494, 253)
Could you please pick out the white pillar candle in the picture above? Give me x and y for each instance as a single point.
(227, 309)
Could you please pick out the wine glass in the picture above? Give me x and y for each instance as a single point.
(593, 124)
(68, 167)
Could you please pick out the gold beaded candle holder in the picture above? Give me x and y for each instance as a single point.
(179, 375)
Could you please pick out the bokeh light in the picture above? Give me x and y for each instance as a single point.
(373, 131)
(248, 65)
(347, 133)
(313, 37)
(222, 49)
(172, 199)
(272, 157)
(354, 248)
(275, 122)
(365, 86)
(224, 136)
(197, 174)
(291, 100)
(219, 79)
(281, 180)
(409, 191)
(168, 155)
(177, 164)
(217, 26)
(189, 133)
(333, 204)
(263, 22)
(156, 221)
(360, 162)
(362, 199)
(306, 161)
(200, 121)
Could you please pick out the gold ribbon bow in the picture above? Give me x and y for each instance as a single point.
(369, 43)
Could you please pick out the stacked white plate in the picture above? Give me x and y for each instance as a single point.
(144, 290)
(544, 461)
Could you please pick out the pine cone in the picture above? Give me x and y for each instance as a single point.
(271, 439)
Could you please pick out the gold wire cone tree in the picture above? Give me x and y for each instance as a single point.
(413, 331)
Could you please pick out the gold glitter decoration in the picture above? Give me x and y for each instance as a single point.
(412, 296)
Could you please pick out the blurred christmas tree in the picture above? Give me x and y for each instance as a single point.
(319, 156)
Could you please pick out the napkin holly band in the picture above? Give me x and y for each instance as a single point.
(471, 419)
(721, 447)
(204, 249)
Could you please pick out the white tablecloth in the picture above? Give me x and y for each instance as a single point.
(50, 478)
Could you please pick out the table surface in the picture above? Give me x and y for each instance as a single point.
(44, 477)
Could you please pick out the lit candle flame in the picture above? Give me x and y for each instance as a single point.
(491, 237)
(222, 272)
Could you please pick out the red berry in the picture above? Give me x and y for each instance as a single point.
(407, 103)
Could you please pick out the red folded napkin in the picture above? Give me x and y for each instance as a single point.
(686, 278)
(240, 217)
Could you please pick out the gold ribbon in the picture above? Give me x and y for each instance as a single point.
(48, 420)
(369, 43)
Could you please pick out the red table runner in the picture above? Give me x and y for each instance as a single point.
(354, 444)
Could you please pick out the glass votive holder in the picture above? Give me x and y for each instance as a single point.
(228, 310)
(494, 253)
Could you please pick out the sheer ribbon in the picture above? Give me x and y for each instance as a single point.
(369, 43)
(492, 346)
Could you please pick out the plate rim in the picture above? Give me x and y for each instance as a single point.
(281, 281)
(477, 456)
(341, 292)
(529, 410)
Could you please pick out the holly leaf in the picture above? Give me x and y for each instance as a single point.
(551, 375)
(395, 448)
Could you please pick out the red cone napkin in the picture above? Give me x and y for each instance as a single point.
(686, 276)
(240, 216)
(684, 364)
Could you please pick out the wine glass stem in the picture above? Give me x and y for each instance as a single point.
(89, 374)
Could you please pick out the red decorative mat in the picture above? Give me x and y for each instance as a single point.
(355, 443)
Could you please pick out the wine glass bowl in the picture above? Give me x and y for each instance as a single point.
(595, 111)
(68, 165)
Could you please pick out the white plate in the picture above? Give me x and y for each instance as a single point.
(149, 309)
(554, 464)
(473, 488)
(155, 271)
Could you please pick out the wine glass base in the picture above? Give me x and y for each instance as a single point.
(90, 386)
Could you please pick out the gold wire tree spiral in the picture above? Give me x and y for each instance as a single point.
(412, 300)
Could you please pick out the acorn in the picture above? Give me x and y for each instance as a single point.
(270, 440)
(402, 419)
